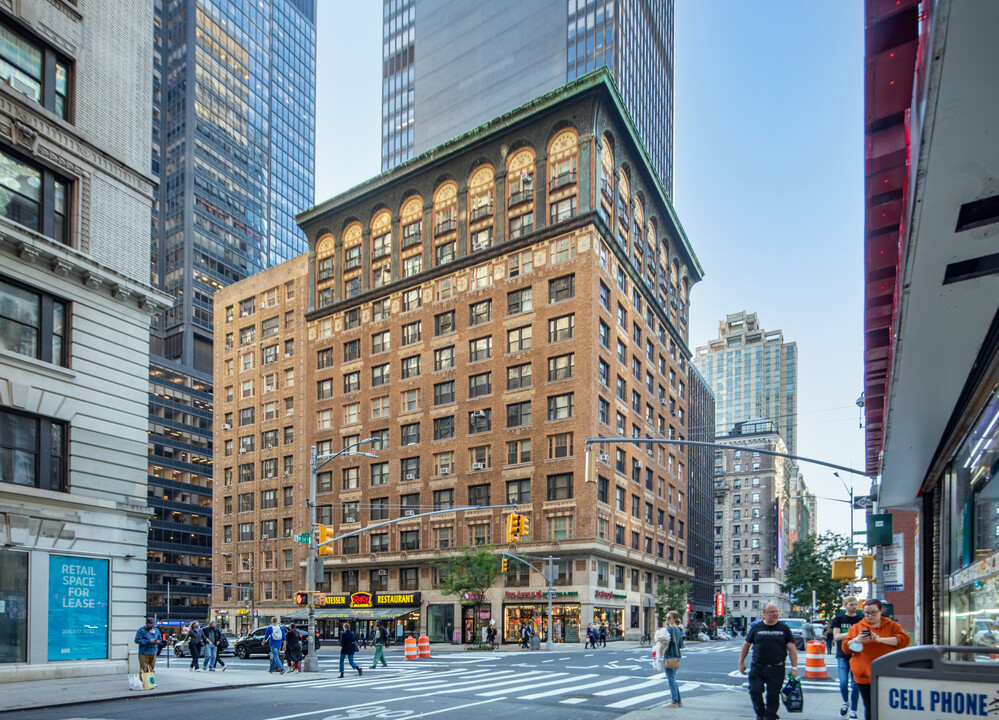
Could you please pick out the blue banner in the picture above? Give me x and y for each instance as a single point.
(78, 608)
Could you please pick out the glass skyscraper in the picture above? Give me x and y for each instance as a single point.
(477, 60)
(233, 146)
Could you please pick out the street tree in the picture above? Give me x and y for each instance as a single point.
(810, 568)
(671, 595)
(468, 574)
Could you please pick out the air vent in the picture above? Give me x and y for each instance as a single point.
(978, 213)
(969, 269)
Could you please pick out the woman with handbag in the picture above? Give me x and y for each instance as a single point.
(348, 646)
(669, 641)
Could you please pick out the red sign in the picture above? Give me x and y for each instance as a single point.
(719, 605)
(360, 600)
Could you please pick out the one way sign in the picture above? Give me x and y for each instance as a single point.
(863, 502)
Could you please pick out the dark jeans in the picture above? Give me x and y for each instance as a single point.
(771, 679)
(195, 655)
(865, 692)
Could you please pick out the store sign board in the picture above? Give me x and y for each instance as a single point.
(78, 608)
(539, 593)
(372, 600)
(604, 595)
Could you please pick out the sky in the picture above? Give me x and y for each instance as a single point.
(768, 185)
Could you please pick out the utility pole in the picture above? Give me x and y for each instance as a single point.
(311, 662)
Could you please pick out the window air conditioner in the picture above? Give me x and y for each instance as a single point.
(265, 536)
(660, 527)
(603, 457)
(478, 466)
(226, 426)
(408, 513)
(478, 413)
(478, 246)
(382, 573)
(638, 463)
(445, 471)
(350, 519)
(242, 451)
(411, 476)
(263, 306)
(662, 402)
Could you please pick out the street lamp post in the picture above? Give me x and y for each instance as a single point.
(311, 663)
(253, 594)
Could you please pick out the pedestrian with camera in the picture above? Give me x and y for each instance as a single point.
(869, 639)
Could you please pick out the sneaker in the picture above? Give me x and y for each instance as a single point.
(282, 671)
(843, 710)
(853, 715)
(341, 674)
(358, 672)
(672, 705)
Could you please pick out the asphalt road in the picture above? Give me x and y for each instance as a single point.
(578, 685)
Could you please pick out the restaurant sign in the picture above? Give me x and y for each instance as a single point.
(602, 594)
(372, 600)
(540, 593)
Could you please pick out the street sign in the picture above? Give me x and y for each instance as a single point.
(862, 502)
(859, 532)
(302, 537)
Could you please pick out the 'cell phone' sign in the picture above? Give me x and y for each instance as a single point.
(908, 699)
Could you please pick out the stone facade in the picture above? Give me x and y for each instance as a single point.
(76, 306)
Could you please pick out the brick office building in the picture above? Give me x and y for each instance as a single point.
(260, 455)
(481, 310)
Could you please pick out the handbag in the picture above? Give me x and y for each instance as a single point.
(671, 663)
(792, 695)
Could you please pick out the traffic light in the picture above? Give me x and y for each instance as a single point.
(513, 528)
(525, 526)
(866, 567)
(844, 569)
(590, 475)
(325, 534)
(506, 565)
(302, 598)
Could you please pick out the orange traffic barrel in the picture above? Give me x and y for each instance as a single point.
(424, 646)
(815, 660)
(411, 648)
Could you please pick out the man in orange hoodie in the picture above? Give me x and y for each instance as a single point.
(868, 640)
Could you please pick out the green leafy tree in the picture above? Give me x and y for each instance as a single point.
(671, 595)
(468, 574)
(810, 568)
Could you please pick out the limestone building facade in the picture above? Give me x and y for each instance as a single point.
(75, 310)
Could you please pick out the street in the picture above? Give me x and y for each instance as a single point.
(576, 684)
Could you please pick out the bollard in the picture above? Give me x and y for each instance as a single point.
(411, 648)
(815, 660)
(424, 646)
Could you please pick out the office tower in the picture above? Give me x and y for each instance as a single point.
(451, 65)
(701, 428)
(233, 144)
(460, 306)
(75, 307)
(753, 374)
(751, 519)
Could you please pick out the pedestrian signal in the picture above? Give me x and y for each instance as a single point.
(302, 598)
(325, 535)
(844, 569)
(866, 567)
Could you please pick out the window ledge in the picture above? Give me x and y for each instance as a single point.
(54, 371)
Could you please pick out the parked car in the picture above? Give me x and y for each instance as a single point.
(253, 644)
(180, 649)
(796, 624)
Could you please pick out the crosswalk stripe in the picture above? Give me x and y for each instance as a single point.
(543, 684)
(486, 679)
(578, 688)
(615, 691)
(491, 693)
(628, 702)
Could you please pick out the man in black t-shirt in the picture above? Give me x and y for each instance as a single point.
(840, 627)
(772, 643)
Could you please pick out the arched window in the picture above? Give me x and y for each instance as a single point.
(520, 189)
(325, 270)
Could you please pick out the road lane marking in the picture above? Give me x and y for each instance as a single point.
(628, 702)
(615, 691)
(578, 688)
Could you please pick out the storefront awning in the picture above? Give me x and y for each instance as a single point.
(351, 613)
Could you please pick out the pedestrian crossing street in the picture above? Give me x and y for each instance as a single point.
(618, 692)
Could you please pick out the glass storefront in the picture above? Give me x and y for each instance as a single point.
(468, 624)
(613, 618)
(14, 602)
(971, 534)
(440, 623)
(565, 625)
